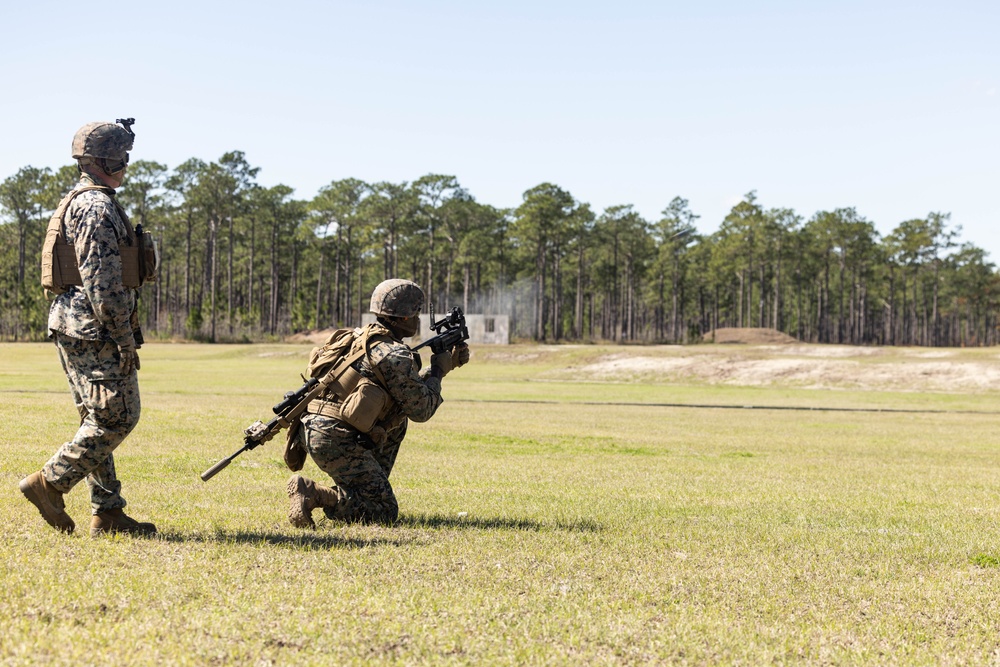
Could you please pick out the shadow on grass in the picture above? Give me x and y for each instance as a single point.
(321, 540)
(309, 540)
(496, 523)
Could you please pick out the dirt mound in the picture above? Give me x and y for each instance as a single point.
(315, 336)
(748, 336)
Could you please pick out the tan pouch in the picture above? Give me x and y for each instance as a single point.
(295, 453)
(345, 384)
(52, 279)
(364, 405)
(326, 357)
(148, 259)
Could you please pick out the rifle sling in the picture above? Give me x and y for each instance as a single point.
(320, 387)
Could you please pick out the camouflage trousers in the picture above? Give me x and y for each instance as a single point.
(360, 473)
(108, 403)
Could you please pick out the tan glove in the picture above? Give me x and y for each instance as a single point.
(460, 355)
(128, 358)
(442, 363)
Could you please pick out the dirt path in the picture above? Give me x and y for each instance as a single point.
(812, 372)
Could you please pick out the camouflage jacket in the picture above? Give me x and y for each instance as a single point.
(417, 394)
(100, 308)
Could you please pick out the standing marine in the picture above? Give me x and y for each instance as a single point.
(360, 463)
(92, 324)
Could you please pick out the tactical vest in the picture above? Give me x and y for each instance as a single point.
(60, 266)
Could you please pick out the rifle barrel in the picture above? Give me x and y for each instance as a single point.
(214, 470)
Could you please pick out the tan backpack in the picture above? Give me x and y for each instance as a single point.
(60, 267)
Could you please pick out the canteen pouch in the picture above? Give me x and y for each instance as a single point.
(363, 407)
(344, 385)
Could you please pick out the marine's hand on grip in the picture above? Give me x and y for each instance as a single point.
(128, 358)
(442, 363)
(460, 355)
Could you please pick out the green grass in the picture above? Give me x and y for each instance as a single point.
(542, 522)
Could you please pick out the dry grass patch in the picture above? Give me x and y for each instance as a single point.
(566, 530)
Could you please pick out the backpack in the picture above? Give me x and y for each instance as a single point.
(362, 401)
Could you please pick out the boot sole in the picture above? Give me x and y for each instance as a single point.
(297, 515)
(30, 493)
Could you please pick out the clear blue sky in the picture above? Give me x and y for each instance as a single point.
(890, 107)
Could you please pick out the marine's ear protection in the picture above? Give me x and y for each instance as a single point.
(112, 167)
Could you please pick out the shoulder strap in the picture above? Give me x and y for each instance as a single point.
(129, 229)
(339, 368)
(366, 345)
(60, 212)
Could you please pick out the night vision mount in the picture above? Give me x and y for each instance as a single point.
(127, 124)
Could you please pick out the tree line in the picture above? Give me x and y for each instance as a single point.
(245, 262)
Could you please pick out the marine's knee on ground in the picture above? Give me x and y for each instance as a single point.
(356, 509)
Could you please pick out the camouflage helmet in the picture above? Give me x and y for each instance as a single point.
(103, 140)
(397, 298)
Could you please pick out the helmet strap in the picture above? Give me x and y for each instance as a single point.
(401, 327)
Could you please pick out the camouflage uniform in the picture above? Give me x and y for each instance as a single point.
(89, 323)
(359, 467)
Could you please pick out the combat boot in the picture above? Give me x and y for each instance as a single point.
(116, 521)
(48, 500)
(304, 496)
(302, 501)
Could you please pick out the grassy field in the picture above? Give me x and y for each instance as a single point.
(547, 517)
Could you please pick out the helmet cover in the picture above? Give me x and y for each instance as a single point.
(102, 140)
(397, 298)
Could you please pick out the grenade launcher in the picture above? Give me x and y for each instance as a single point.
(451, 331)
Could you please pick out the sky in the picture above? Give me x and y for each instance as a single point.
(892, 107)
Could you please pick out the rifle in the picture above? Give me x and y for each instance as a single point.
(293, 403)
(451, 331)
